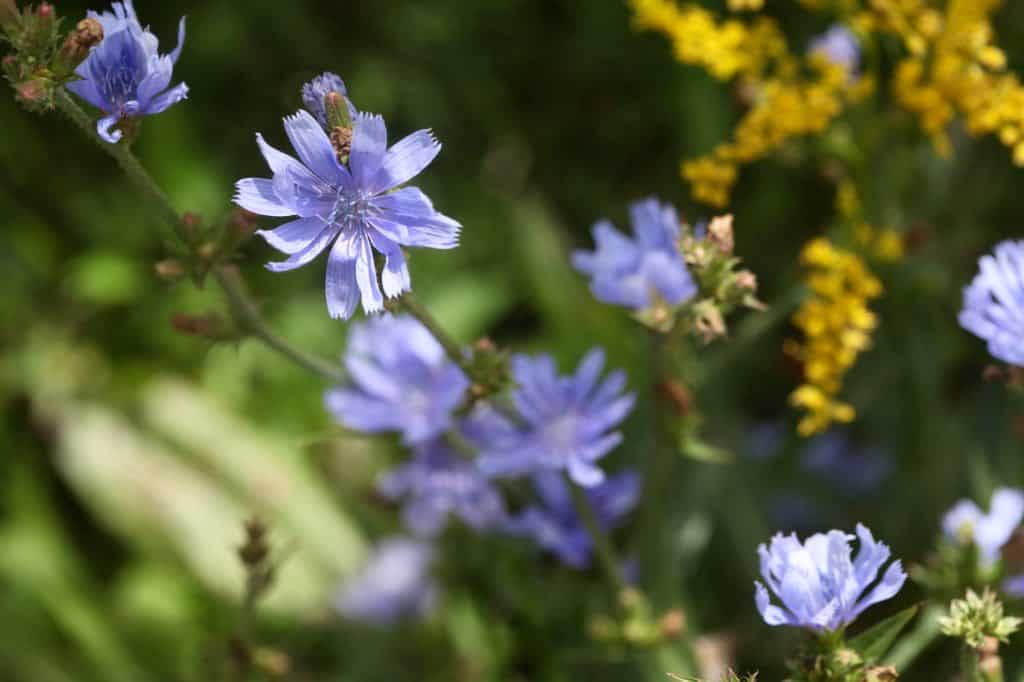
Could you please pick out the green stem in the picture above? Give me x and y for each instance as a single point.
(602, 545)
(243, 309)
(969, 664)
(657, 472)
(450, 345)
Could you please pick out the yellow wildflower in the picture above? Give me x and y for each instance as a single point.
(836, 324)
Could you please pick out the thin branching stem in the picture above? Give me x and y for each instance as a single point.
(450, 345)
(603, 549)
(243, 309)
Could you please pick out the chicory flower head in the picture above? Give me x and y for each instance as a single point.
(394, 584)
(124, 75)
(554, 525)
(355, 206)
(840, 46)
(820, 584)
(561, 422)
(993, 307)
(437, 483)
(400, 379)
(633, 272)
(966, 523)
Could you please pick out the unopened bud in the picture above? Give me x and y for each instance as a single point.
(745, 279)
(169, 269)
(672, 624)
(207, 251)
(709, 321)
(336, 109)
(678, 395)
(242, 222)
(255, 548)
(210, 326)
(33, 94)
(45, 11)
(87, 33)
(720, 233)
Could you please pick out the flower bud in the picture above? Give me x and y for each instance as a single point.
(672, 624)
(341, 140)
(678, 395)
(881, 673)
(86, 34)
(33, 94)
(720, 233)
(336, 109)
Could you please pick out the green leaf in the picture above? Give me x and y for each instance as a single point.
(694, 448)
(876, 640)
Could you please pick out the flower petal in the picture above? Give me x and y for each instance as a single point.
(406, 159)
(313, 146)
(314, 249)
(258, 196)
(369, 144)
(341, 289)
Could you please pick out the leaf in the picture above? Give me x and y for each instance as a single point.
(876, 640)
(694, 448)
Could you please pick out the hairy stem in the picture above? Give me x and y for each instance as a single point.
(450, 345)
(244, 311)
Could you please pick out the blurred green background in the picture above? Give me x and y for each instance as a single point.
(132, 453)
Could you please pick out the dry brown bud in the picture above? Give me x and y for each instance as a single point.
(676, 393)
(87, 33)
(31, 93)
(881, 673)
(720, 233)
(169, 269)
(341, 140)
(672, 624)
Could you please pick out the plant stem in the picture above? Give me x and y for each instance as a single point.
(602, 545)
(450, 345)
(243, 309)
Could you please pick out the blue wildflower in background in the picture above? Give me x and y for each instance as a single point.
(966, 523)
(400, 379)
(315, 92)
(124, 76)
(437, 484)
(840, 46)
(356, 207)
(820, 584)
(554, 525)
(853, 471)
(993, 307)
(395, 584)
(635, 272)
(561, 422)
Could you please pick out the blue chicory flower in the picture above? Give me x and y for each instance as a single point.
(125, 76)
(965, 523)
(355, 206)
(400, 379)
(820, 584)
(993, 307)
(437, 483)
(395, 584)
(856, 472)
(314, 95)
(561, 422)
(633, 272)
(554, 525)
(840, 46)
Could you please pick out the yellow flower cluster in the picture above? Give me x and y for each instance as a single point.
(791, 95)
(836, 324)
(745, 5)
(786, 106)
(724, 50)
(954, 68)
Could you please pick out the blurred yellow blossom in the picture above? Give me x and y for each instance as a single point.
(836, 324)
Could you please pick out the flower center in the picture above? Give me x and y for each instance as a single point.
(350, 208)
(560, 433)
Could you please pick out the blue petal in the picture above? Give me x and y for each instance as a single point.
(341, 289)
(258, 196)
(406, 159)
(366, 276)
(181, 41)
(584, 474)
(104, 129)
(293, 236)
(314, 147)
(369, 144)
(86, 89)
(307, 254)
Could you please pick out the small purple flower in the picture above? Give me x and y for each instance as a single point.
(840, 46)
(437, 483)
(856, 472)
(554, 525)
(125, 76)
(635, 272)
(819, 582)
(561, 422)
(1014, 586)
(966, 523)
(314, 94)
(395, 584)
(400, 379)
(994, 303)
(355, 206)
